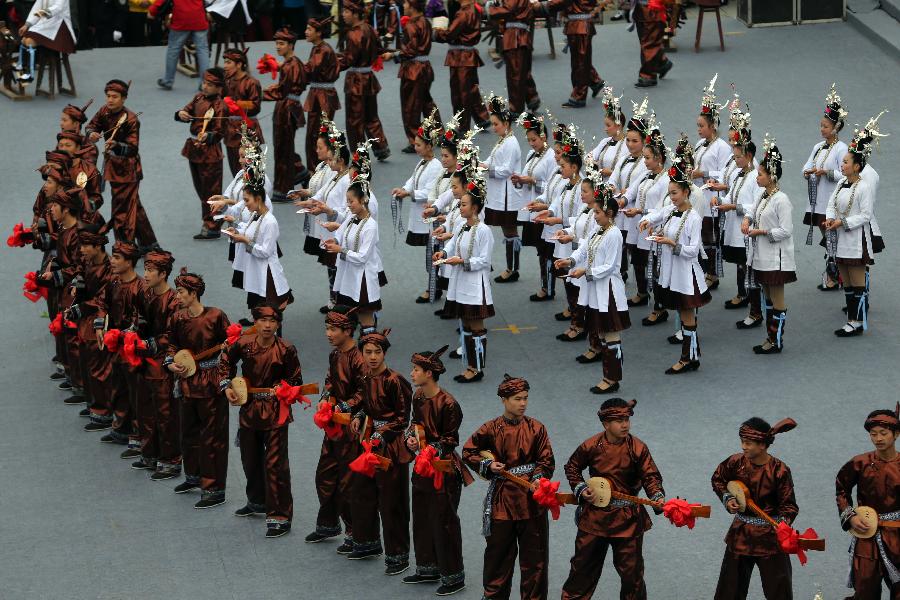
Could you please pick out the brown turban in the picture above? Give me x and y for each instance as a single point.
(266, 310)
(77, 114)
(235, 55)
(190, 281)
(89, 236)
(214, 76)
(52, 171)
(321, 25)
(354, 7)
(285, 34)
(891, 421)
(118, 86)
(766, 437)
(159, 260)
(615, 413)
(432, 362)
(376, 338)
(127, 251)
(344, 320)
(70, 199)
(510, 386)
(70, 135)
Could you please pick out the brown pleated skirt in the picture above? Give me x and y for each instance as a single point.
(734, 255)
(816, 219)
(501, 218)
(363, 303)
(610, 321)
(774, 277)
(678, 301)
(531, 234)
(416, 239)
(469, 312)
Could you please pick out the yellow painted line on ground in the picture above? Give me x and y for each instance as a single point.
(514, 329)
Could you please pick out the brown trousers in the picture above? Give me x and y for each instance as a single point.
(651, 33)
(519, 83)
(385, 495)
(529, 538)
(868, 575)
(159, 420)
(313, 122)
(333, 484)
(416, 103)
(204, 439)
(287, 162)
(587, 566)
(130, 221)
(127, 388)
(465, 95)
(90, 360)
(264, 455)
(363, 122)
(73, 358)
(437, 536)
(774, 574)
(583, 71)
(234, 159)
(207, 178)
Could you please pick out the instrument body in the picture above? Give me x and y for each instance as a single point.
(869, 517)
(242, 389)
(604, 493)
(742, 494)
(439, 464)
(365, 432)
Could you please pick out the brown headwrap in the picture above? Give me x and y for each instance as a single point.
(159, 260)
(70, 198)
(190, 281)
(618, 412)
(510, 386)
(891, 422)
(126, 250)
(354, 7)
(235, 55)
(266, 310)
(376, 338)
(214, 76)
(57, 158)
(89, 236)
(77, 114)
(321, 25)
(70, 135)
(286, 34)
(342, 320)
(430, 363)
(118, 86)
(52, 170)
(766, 437)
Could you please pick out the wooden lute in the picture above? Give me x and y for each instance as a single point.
(742, 495)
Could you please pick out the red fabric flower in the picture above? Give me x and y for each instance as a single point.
(233, 333)
(322, 419)
(33, 291)
(420, 132)
(673, 172)
(470, 186)
(356, 157)
(323, 129)
(789, 540)
(235, 109)
(735, 136)
(448, 134)
(705, 110)
(20, 236)
(404, 20)
(365, 463)
(378, 65)
(288, 394)
(131, 345)
(111, 339)
(267, 64)
(545, 496)
(567, 148)
(656, 6)
(424, 466)
(56, 325)
(678, 512)
(527, 124)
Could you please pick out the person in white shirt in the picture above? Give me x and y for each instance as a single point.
(320, 177)
(822, 172)
(770, 229)
(529, 181)
(849, 224)
(417, 189)
(607, 153)
(503, 200)
(48, 24)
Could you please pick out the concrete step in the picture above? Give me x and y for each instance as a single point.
(891, 7)
(881, 28)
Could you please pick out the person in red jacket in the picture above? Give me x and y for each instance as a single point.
(189, 22)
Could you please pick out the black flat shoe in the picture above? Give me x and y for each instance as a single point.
(514, 276)
(563, 337)
(691, 366)
(645, 82)
(74, 399)
(534, 105)
(828, 288)
(249, 510)
(562, 316)
(644, 301)
(761, 349)
(210, 502)
(207, 236)
(84, 412)
(276, 530)
(713, 285)
(597, 88)
(599, 390)
(409, 150)
(416, 578)
(571, 103)
(463, 379)
(364, 554)
(396, 569)
(185, 487)
(674, 339)
(130, 453)
(422, 300)
(315, 537)
(449, 590)
(539, 298)
(455, 354)
(581, 358)
(729, 305)
(742, 324)
(844, 332)
(660, 318)
(664, 70)
(345, 548)
(382, 155)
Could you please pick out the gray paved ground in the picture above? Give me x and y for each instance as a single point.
(78, 523)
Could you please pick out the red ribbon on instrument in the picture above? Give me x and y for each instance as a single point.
(32, 290)
(657, 6)
(56, 325)
(20, 236)
(235, 109)
(288, 394)
(267, 64)
(678, 512)
(789, 539)
(378, 65)
(367, 462)
(233, 333)
(424, 466)
(111, 339)
(545, 495)
(131, 345)
(322, 419)
(404, 20)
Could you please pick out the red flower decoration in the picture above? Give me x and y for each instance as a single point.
(365, 463)
(404, 20)
(448, 134)
(735, 136)
(323, 129)
(705, 110)
(789, 540)
(322, 419)
(56, 325)
(33, 291)
(470, 186)
(233, 333)
(546, 496)
(678, 512)
(527, 124)
(268, 64)
(567, 148)
(111, 340)
(20, 236)
(356, 156)
(673, 172)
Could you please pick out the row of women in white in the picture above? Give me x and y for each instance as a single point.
(550, 187)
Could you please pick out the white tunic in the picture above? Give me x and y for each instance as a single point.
(261, 256)
(742, 191)
(555, 186)
(649, 196)
(501, 164)
(774, 251)
(679, 268)
(711, 158)
(226, 7)
(334, 195)
(855, 216)
(870, 176)
(60, 16)
(567, 207)
(234, 192)
(829, 159)
(601, 257)
(358, 259)
(628, 170)
(452, 224)
(607, 153)
(541, 167)
(319, 178)
(470, 282)
(418, 185)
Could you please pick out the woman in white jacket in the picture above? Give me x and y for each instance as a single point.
(320, 177)
(680, 282)
(597, 260)
(771, 255)
(849, 219)
(355, 247)
(49, 24)
(469, 291)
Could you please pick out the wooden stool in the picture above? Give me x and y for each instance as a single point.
(705, 6)
(10, 86)
(226, 41)
(54, 62)
(187, 61)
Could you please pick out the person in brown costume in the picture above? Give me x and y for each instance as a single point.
(344, 385)
(751, 541)
(626, 462)
(513, 522)
(267, 361)
(361, 56)
(580, 32)
(201, 330)
(70, 121)
(159, 416)
(517, 17)
(203, 148)
(321, 71)
(416, 74)
(246, 91)
(385, 407)
(651, 31)
(288, 116)
(876, 477)
(462, 37)
(69, 143)
(122, 165)
(437, 536)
